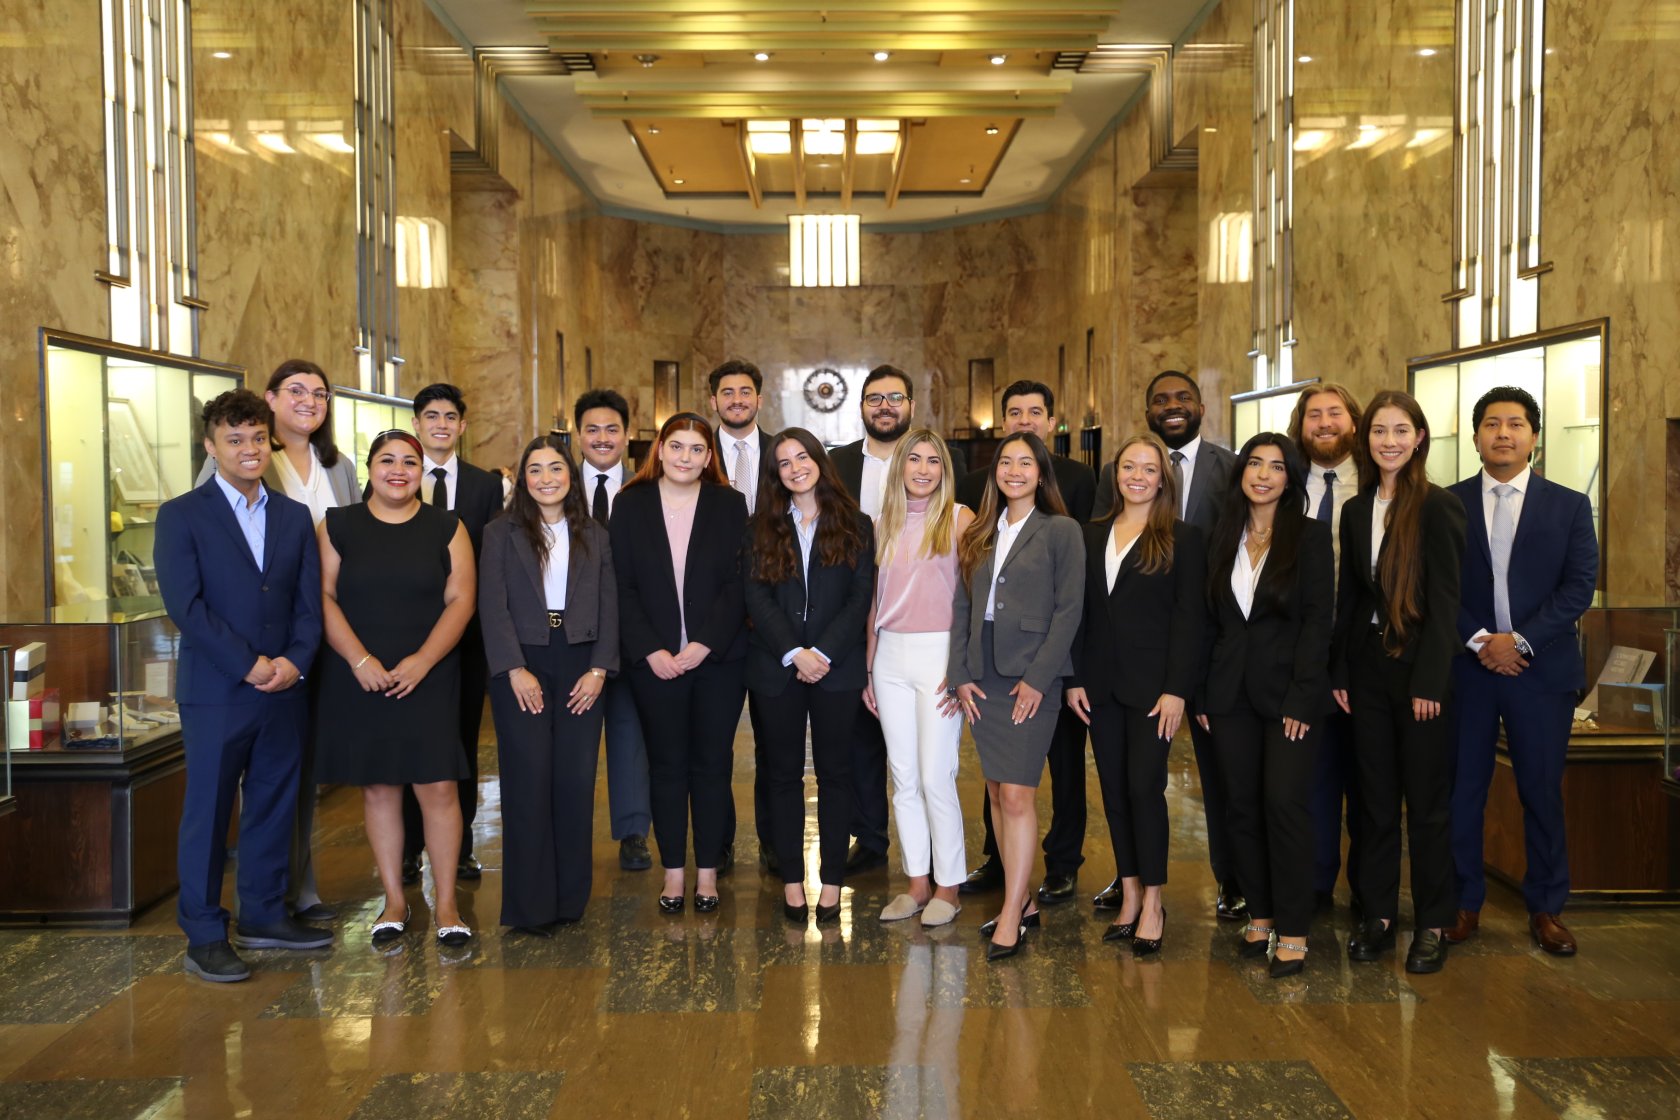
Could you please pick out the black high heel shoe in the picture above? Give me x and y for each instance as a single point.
(1281, 967)
(827, 913)
(1254, 950)
(704, 903)
(996, 952)
(796, 914)
(671, 905)
(1122, 931)
(1028, 921)
(1147, 946)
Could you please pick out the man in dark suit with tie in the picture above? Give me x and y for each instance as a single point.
(888, 404)
(1030, 406)
(475, 496)
(1173, 410)
(1530, 566)
(240, 575)
(601, 429)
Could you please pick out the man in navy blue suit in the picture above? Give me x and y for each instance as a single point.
(240, 575)
(1530, 565)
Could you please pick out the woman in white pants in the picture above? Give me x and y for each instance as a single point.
(909, 642)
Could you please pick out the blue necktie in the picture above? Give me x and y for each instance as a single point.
(1327, 504)
(1499, 543)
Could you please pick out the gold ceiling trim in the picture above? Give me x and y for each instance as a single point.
(706, 99)
(1155, 63)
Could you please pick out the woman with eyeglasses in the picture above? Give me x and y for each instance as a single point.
(398, 584)
(682, 622)
(810, 571)
(548, 603)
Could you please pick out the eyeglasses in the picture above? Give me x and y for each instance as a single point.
(298, 393)
(876, 400)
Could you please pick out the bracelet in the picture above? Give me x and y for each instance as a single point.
(360, 663)
(598, 673)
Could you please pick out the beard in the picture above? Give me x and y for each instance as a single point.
(1329, 456)
(891, 434)
(1192, 428)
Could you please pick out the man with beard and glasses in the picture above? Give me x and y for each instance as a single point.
(1173, 410)
(888, 404)
(1325, 426)
(1030, 406)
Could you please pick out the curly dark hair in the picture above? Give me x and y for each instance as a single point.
(236, 408)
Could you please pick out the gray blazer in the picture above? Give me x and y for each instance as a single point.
(513, 610)
(1041, 596)
(341, 476)
(1212, 478)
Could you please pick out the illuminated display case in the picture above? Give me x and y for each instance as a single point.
(1628, 645)
(1264, 410)
(358, 417)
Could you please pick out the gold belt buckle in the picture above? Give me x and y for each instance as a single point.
(555, 618)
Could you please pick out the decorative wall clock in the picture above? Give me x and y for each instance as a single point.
(825, 389)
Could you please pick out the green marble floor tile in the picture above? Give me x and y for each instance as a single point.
(848, 1093)
(683, 968)
(460, 1096)
(60, 977)
(1195, 1090)
(1612, 1088)
(78, 1100)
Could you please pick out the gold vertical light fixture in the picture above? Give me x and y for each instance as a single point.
(823, 251)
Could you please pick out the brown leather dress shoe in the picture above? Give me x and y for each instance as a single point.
(1469, 921)
(1551, 935)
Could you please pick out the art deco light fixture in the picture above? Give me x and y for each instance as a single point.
(823, 251)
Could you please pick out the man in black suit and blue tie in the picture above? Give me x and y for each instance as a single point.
(240, 575)
(1530, 566)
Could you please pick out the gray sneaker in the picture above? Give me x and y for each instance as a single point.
(216, 962)
(288, 933)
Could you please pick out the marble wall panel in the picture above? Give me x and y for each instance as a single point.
(1164, 279)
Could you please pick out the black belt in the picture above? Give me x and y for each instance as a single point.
(555, 619)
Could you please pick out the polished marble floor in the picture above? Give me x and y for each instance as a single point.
(635, 1014)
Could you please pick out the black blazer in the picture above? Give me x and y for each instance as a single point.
(848, 463)
(478, 501)
(1074, 479)
(648, 618)
(1434, 642)
(831, 615)
(1276, 661)
(514, 610)
(1145, 637)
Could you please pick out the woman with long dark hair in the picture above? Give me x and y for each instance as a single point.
(1268, 687)
(548, 605)
(676, 541)
(1138, 660)
(810, 569)
(1014, 617)
(1396, 634)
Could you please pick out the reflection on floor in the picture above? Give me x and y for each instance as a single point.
(633, 1013)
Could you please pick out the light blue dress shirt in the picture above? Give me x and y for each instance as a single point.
(252, 516)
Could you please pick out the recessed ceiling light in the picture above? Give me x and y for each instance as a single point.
(679, 182)
(999, 59)
(762, 56)
(882, 56)
(965, 180)
(221, 54)
(1304, 58)
(653, 130)
(1210, 130)
(1427, 52)
(647, 60)
(991, 130)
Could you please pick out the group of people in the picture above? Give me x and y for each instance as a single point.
(1307, 608)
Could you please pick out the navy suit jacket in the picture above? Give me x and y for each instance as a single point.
(228, 612)
(1554, 568)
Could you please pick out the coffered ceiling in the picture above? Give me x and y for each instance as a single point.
(740, 112)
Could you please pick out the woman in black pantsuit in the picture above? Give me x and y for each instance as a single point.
(810, 575)
(548, 605)
(1268, 687)
(1138, 659)
(676, 541)
(1396, 635)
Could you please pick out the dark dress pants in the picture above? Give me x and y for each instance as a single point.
(252, 753)
(1537, 728)
(761, 779)
(548, 764)
(1335, 779)
(1268, 784)
(831, 716)
(1402, 758)
(1214, 811)
(869, 781)
(689, 726)
(475, 676)
(627, 763)
(1132, 770)
(1064, 841)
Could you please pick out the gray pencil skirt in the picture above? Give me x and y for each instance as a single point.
(1009, 752)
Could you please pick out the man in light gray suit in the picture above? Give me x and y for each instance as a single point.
(1173, 410)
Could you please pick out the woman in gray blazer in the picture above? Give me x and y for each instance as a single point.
(1015, 614)
(548, 605)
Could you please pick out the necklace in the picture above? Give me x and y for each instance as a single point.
(1260, 535)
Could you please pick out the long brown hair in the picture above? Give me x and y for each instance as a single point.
(326, 448)
(1400, 566)
(653, 469)
(527, 514)
(1155, 543)
(775, 553)
(981, 534)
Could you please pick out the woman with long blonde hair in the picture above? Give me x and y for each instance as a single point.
(908, 643)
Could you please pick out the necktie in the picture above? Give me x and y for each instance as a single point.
(440, 488)
(1327, 504)
(1178, 477)
(742, 482)
(599, 506)
(1499, 543)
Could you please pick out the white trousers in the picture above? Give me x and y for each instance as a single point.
(921, 753)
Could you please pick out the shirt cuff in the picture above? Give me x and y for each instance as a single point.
(787, 658)
(1477, 640)
(827, 660)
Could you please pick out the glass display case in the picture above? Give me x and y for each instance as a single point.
(7, 804)
(1565, 369)
(1628, 650)
(358, 417)
(91, 678)
(121, 437)
(1264, 410)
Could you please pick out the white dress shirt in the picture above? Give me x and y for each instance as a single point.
(1347, 485)
(1379, 529)
(1112, 560)
(615, 482)
(558, 566)
(805, 532)
(1188, 467)
(1245, 575)
(1489, 500)
(315, 491)
(451, 478)
(873, 484)
(731, 447)
(1005, 539)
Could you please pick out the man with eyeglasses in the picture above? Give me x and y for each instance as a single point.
(888, 403)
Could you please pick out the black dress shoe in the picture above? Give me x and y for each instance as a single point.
(1057, 888)
(1232, 906)
(1028, 921)
(672, 904)
(1252, 950)
(1371, 940)
(288, 933)
(705, 903)
(319, 912)
(469, 870)
(410, 870)
(544, 932)
(827, 913)
(1428, 952)
(1282, 967)
(216, 962)
(767, 860)
(1147, 946)
(633, 854)
(796, 914)
(987, 877)
(1110, 898)
(996, 952)
(860, 858)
